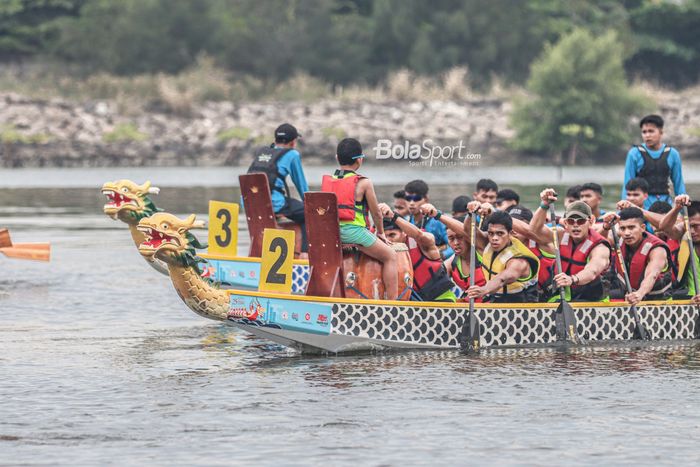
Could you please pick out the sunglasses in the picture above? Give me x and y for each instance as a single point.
(413, 197)
(575, 221)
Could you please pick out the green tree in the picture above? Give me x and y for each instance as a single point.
(579, 99)
(26, 26)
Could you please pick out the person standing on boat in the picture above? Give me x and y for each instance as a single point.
(457, 266)
(357, 201)
(509, 267)
(585, 254)
(647, 258)
(675, 229)
(277, 161)
(654, 161)
(430, 279)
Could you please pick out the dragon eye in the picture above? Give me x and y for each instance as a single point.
(165, 226)
(125, 190)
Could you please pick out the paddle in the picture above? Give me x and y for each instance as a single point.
(566, 330)
(470, 336)
(32, 251)
(639, 331)
(36, 252)
(692, 249)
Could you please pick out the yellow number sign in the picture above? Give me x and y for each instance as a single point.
(277, 258)
(223, 228)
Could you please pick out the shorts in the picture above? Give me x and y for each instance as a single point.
(350, 233)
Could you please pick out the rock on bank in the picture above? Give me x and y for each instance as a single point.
(55, 133)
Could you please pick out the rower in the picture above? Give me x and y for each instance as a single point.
(400, 204)
(647, 258)
(431, 282)
(675, 230)
(458, 265)
(592, 194)
(585, 254)
(277, 161)
(416, 192)
(506, 198)
(654, 161)
(510, 268)
(543, 250)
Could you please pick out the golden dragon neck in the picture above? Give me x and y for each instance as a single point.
(198, 294)
(136, 235)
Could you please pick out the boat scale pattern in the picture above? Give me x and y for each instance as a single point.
(439, 327)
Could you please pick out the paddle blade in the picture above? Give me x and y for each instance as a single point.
(5, 238)
(566, 319)
(35, 254)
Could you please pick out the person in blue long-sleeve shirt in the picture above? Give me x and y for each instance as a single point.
(656, 162)
(288, 163)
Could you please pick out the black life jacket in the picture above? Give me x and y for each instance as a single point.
(265, 161)
(655, 171)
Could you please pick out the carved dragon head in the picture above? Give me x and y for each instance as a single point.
(168, 238)
(128, 201)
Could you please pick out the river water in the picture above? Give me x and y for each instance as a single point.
(100, 362)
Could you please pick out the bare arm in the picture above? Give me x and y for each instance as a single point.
(372, 204)
(425, 240)
(538, 230)
(599, 262)
(669, 223)
(657, 262)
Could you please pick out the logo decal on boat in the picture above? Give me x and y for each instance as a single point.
(295, 316)
(322, 320)
(307, 317)
(253, 312)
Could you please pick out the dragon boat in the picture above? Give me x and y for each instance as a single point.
(130, 202)
(325, 320)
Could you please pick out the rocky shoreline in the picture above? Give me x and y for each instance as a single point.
(56, 133)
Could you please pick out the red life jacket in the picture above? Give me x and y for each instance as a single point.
(463, 281)
(546, 264)
(674, 246)
(574, 260)
(638, 263)
(344, 184)
(430, 279)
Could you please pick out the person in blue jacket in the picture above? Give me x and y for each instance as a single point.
(654, 161)
(280, 160)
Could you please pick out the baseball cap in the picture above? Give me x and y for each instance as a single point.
(578, 209)
(520, 212)
(286, 133)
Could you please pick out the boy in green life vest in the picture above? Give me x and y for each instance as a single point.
(357, 201)
(674, 227)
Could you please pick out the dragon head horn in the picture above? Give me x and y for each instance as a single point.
(192, 223)
(147, 188)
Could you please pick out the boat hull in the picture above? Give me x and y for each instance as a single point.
(316, 324)
(244, 273)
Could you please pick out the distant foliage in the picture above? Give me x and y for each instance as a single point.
(579, 99)
(345, 42)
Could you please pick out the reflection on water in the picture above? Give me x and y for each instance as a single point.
(100, 360)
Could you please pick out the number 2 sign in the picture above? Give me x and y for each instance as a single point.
(277, 259)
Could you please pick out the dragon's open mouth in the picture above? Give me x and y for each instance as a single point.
(155, 239)
(117, 200)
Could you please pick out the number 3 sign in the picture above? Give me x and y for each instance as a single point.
(223, 229)
(277, 258)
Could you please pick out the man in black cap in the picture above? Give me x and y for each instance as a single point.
(459, 205)
(279, 160)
